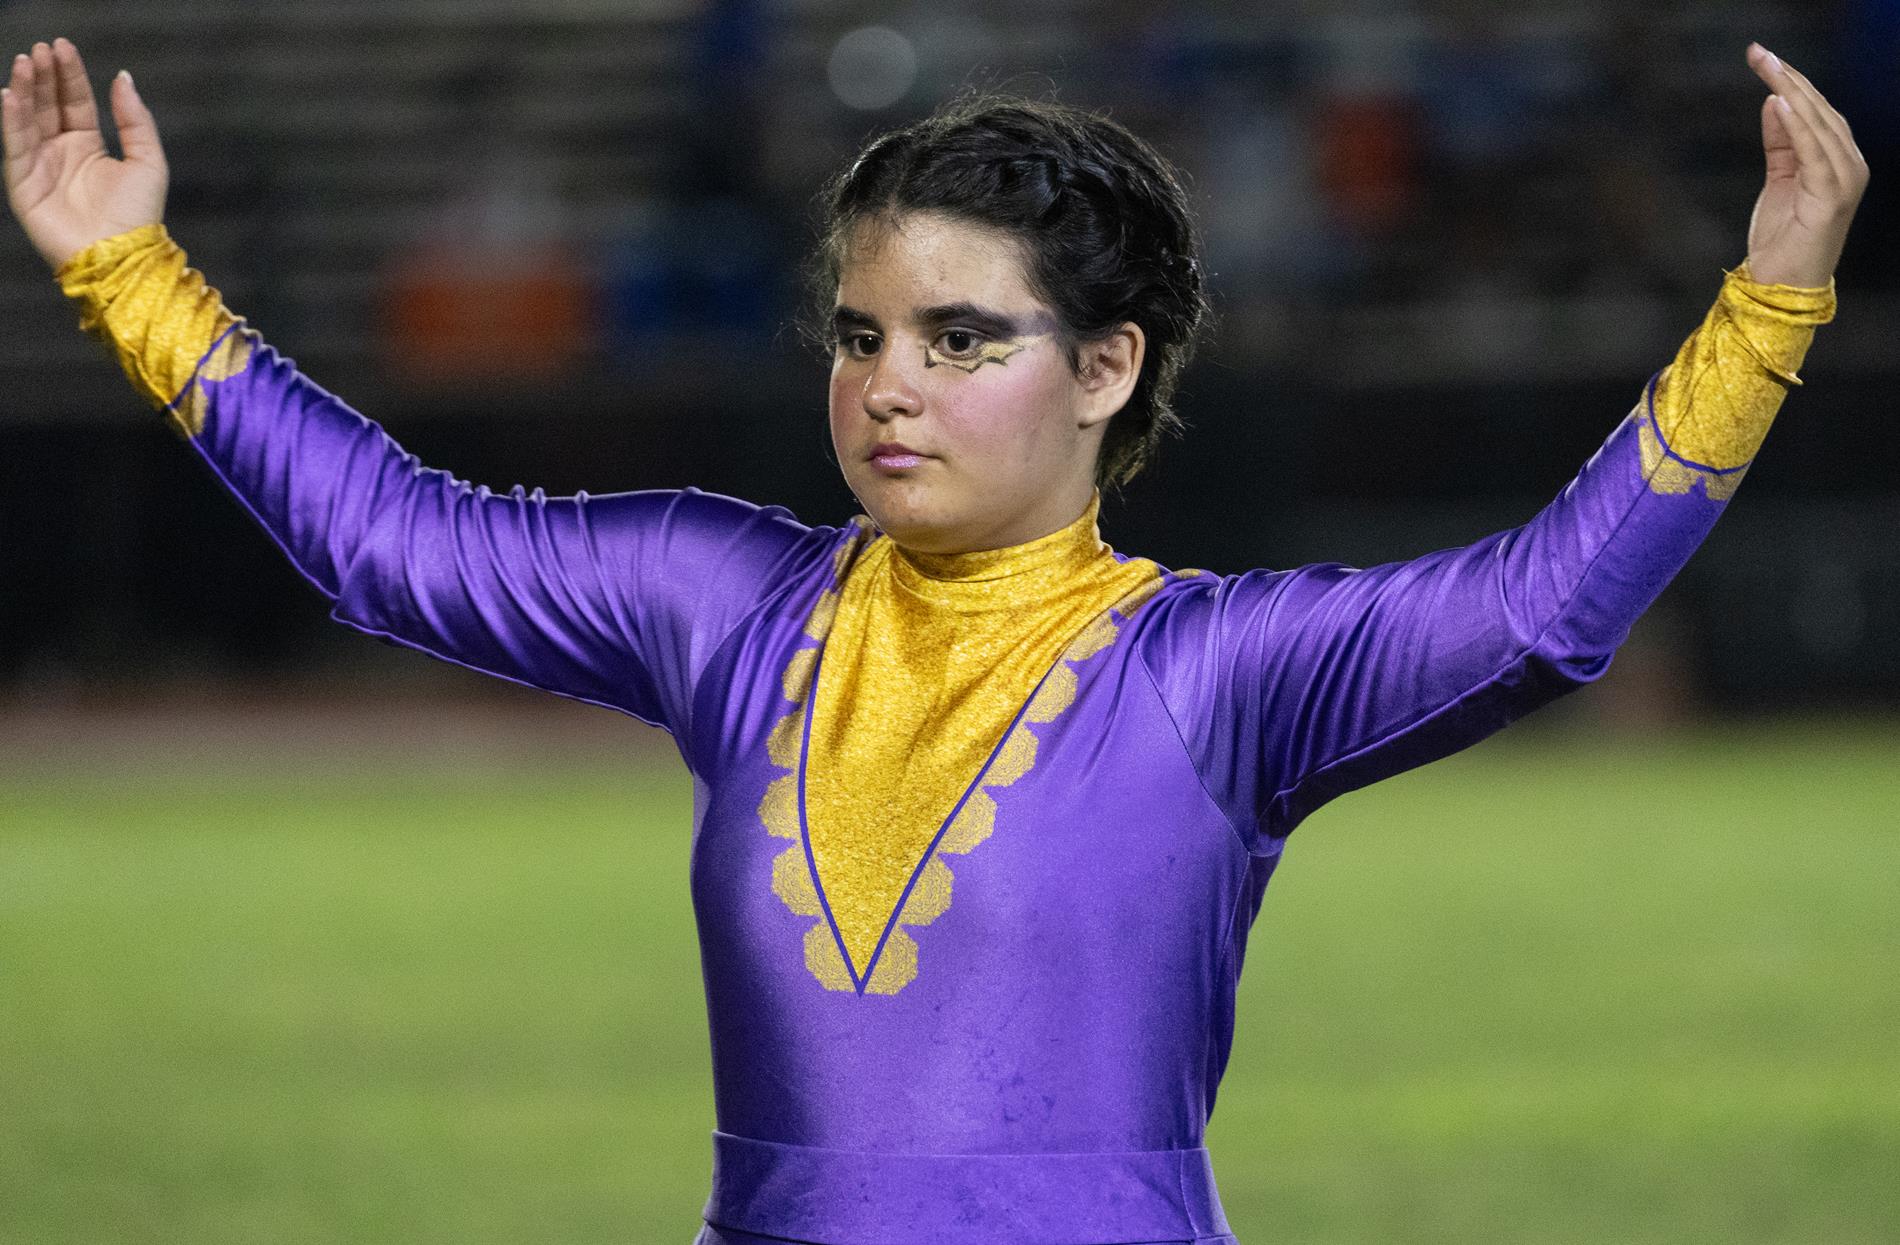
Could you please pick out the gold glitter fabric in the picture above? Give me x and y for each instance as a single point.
(928, 660)
(1715, 402)
(136, 294)
(779, 810)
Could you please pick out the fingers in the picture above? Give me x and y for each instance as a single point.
(1818, 172)
(1784, 164)
(49, 94)
(138, 129)
(1808, 112)
(1805, 104)
(45, 86)
(16, 119)
(1835, 122)
(77, 110)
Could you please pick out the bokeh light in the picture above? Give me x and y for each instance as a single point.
(872, 68)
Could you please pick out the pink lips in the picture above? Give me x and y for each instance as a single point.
(896, 456)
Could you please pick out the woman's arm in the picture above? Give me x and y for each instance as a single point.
(1324, 679)
(617, 600)
(1292, 688)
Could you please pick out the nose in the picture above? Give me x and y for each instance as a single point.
(890, 390)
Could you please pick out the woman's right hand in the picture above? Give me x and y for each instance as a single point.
(62, 185)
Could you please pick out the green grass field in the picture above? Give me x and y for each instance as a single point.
(1551, 990)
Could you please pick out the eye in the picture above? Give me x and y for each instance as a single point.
(958, 343)
(858, 345)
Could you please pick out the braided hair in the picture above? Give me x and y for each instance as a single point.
(1101, 217)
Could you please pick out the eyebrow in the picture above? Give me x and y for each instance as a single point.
(982, 319)
(852, 318)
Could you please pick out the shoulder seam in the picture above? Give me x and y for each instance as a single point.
(1194, 763)
(692, 691)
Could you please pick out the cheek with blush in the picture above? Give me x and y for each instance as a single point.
(1006, 417)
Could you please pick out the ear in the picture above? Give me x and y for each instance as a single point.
(1108, 369)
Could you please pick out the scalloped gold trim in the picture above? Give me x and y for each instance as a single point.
(976, 820)
(792, 882)
(778, 810)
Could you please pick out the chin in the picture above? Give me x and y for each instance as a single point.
(911, 514)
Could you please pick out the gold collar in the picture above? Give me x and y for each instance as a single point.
(1013, 577)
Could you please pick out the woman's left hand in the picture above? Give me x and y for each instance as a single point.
(1816, 176)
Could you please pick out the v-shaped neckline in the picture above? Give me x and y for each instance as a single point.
(859, 981)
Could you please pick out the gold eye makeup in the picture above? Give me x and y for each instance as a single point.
(989, 352)
(994, 336)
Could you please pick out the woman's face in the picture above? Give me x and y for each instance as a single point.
(956, 417)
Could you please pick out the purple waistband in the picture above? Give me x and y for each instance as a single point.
(849, 1197)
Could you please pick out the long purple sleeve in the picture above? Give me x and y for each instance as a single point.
(1293, 687)
(1328, 678)
(618, 600)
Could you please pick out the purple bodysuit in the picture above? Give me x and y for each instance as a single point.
(1046, 1076)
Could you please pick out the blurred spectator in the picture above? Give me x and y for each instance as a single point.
(1482, 100)
(728, 89)
(1366, 136)
(706, 255)
(686, 269)
(494, 290)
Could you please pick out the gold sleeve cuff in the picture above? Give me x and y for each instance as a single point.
(1714, 403)
(1776, 322)
(135, 293)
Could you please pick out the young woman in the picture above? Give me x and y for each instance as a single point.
(984, 809)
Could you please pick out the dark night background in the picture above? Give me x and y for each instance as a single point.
(559, 245)
(304, 938)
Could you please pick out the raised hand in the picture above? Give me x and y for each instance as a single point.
(1816, 176)
(62, 185)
